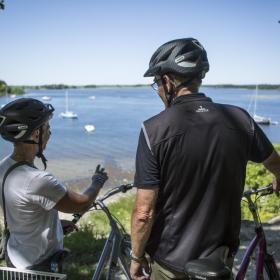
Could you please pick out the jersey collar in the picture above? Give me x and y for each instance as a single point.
(191, 98)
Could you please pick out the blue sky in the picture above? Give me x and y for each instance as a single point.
(111, 42)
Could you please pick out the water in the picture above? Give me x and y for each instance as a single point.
(117, 114)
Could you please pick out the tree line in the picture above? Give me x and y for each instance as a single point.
(5, 89)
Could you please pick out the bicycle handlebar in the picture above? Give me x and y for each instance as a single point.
(262, 191)
(121, 188)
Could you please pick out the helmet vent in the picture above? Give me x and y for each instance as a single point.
(21, 106)
(33, 118)
(167, 54)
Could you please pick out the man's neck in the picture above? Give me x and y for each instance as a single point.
(185, 91)
(24, 153)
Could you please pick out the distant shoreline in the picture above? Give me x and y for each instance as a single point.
(249, 86)
(18, 90)
(64, 86)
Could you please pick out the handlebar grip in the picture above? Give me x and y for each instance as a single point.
(267, 190)
(262, 191)
(125, 188)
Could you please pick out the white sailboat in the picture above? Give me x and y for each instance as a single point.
(68, 114)
(259, 119)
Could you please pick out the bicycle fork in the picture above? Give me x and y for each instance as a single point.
(111, 250)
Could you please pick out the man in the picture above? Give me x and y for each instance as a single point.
(32, 198)
(190, 168)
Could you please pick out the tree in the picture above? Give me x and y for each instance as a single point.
(3, 86)
(2, 5)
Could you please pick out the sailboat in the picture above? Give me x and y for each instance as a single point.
(68, 114)
(259, 119)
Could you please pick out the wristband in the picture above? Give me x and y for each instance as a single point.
(135, 258)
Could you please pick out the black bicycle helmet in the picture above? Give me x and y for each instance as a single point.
(19, 118)
(182, 57)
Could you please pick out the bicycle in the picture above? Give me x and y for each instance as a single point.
(213, 266)
(117, 247)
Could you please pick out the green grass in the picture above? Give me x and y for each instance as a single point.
(268, 206)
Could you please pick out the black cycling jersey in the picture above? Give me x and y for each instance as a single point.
(196, 152)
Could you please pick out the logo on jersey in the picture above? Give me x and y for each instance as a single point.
(201, 110)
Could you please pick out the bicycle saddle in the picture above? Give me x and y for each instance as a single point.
(210, 267)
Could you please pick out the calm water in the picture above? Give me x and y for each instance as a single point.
(117, 114)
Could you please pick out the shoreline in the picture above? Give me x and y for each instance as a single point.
(97, 86)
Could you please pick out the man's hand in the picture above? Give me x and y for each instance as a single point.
(272, 163)
(140, 270)
(68, 226)
(276, 186)
(99, 177)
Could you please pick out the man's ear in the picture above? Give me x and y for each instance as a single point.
(168, 82)
(165, 79)
(35, 134)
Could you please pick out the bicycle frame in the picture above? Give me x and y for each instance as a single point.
(116, 247)
(263, 260)
(112, 249)
(263, 257)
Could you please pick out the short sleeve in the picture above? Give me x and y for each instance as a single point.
(46, 191)
(147, 171)
(261, 148)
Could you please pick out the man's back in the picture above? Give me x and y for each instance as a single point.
(200, 151)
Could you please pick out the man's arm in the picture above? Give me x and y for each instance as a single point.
(272, 163)
(142, 219)
(147, 180)
(141, 225)
(73, 202)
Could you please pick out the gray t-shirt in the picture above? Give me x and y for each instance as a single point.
(35, 229)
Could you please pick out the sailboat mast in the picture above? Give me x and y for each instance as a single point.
(66, 100)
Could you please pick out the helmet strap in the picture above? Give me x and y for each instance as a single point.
(40, 143)
(40, 152)
(168, 94)
(185, 83)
